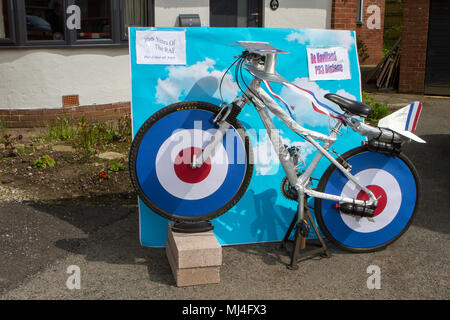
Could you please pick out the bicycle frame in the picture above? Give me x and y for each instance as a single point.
(262, 101)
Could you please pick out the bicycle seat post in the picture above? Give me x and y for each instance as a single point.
(270, 63)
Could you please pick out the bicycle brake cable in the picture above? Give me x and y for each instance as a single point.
(223, 77)
(243, 80)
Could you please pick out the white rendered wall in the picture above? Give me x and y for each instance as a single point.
(290, 14)
(167, 11)
(39, 78)
(314, 14)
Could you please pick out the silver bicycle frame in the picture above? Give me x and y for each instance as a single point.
(263, 101)
(302, 183)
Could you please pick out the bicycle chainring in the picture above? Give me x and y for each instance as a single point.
(288, 190)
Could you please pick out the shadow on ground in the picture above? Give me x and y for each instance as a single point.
(431, 161)
(111, 235)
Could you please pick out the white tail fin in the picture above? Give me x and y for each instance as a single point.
(404, 121)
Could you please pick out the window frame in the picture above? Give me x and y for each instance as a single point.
(79, 42)
(18, 27)
(22, 28)
(12, 27)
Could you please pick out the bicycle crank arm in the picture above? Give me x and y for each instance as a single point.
(198, 161)
(326, 196)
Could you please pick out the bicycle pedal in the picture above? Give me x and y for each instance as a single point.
(357, 209)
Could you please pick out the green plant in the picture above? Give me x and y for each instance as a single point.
(362, 50)
(116, 166)
(124, 128)
(106, 132)
(367, 99)
(86, 140)
(44, 162)
(9, 144)
(117, 131)
(379, 109)
(62, 130)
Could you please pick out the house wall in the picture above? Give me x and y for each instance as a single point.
(167, 11)
(298, 14)
(34, 78)
(290, 14)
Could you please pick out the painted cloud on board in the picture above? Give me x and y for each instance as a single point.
(317, 38)
(200, 79)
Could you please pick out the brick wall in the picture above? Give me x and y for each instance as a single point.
(414, 45)
(343, 14)
(42, 117)
(343, 17)
(373, 38)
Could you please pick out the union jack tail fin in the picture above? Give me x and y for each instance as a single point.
(404, 121)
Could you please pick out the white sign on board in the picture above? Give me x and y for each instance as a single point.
(328, 64)
(161, 47)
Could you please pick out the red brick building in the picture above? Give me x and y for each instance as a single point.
(344, 13)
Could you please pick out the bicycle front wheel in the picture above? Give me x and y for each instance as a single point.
(394, 182)
(160, 159)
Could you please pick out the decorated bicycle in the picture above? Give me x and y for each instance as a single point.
(192, 161)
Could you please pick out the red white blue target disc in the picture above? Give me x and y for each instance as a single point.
(174, 171)
(393, 184)
(385, 188)
(166, 181)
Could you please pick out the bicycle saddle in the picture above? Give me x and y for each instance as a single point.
(354, 107)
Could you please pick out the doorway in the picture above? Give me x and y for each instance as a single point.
(236, 13)
(437, 77)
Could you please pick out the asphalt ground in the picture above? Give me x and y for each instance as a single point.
(39, 242)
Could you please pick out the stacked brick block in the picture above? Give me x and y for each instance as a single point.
(195, 258)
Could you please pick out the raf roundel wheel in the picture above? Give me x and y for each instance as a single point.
(160, 158)
(394, 182)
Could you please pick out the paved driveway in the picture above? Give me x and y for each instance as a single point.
(38, 244)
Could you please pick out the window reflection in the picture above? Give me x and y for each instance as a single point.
(45, 19)
(4, 20)
(95, 19)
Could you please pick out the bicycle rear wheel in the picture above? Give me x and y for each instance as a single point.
(160, 159)
(394, 182)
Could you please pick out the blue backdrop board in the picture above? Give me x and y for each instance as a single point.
(167, 77)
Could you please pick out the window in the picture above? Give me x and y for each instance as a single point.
(135, 14)
(44, 20)
(42, 23)
(5, 20)
(95, 19)
(235, 13)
